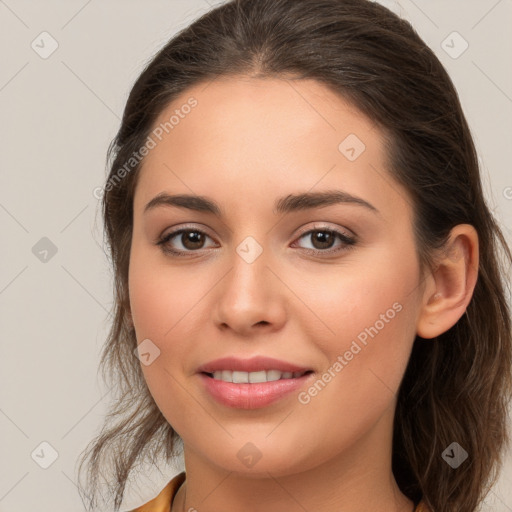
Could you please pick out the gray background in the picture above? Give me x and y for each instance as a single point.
(58, 116)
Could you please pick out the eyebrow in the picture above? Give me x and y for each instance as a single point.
(287, 204)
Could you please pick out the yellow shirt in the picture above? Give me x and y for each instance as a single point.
(163, 502)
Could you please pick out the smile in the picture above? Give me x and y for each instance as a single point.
(247, 392)
(239, 377)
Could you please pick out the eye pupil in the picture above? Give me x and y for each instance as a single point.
(325, 238)
(192, 239)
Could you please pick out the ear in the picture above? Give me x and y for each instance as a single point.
(450, 286)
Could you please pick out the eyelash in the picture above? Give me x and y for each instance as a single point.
(348, 242)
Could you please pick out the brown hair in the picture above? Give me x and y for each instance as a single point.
(456, 387)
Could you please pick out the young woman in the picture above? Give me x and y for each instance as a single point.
(309, 283)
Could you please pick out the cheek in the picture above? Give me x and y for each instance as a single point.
(368, 318)
(373, 319)
(168, 308)
(162, 297)
(162, 302)
(378, 290)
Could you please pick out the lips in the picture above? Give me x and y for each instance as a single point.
(252, 396)
(252, 383)
(254, 364)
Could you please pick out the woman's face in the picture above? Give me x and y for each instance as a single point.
(247, 281)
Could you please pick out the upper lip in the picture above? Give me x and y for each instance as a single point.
(253, 364)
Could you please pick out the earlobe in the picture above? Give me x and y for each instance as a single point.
(451, 284)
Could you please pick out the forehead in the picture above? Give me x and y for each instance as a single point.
(261, 137)
(297, 109)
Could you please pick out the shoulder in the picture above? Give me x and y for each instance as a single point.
(161, 503)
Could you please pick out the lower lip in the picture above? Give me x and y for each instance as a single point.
(252, 396)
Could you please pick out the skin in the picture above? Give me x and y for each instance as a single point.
(246, 143)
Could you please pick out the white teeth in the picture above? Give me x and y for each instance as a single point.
(260, 376)
(238, 377)
(272, 375)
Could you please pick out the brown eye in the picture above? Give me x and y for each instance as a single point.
(187, 241)
(192, 239)
(323, 241)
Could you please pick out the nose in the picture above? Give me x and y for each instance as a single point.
(250, 299)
